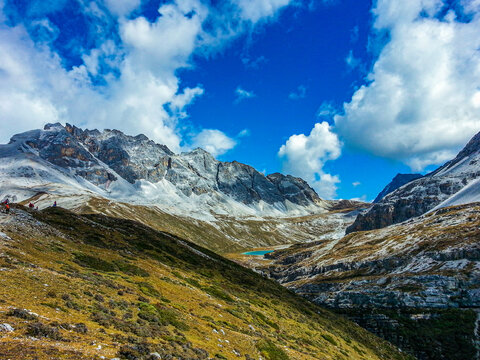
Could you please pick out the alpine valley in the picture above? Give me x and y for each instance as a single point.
(132, 263)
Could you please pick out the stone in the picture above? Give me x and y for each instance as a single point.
(6, 328)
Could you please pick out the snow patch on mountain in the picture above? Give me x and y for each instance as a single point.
(70, 165)
(469, 194)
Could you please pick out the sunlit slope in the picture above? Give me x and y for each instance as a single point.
(229, 234)
(97, 286)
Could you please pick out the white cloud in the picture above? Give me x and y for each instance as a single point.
(326, 110)
(362, 198)
(356, 183)
(122, 7)
(27, 78)
(242, 94)
(213, 141)
(255, 10)
(305, 156)
(244, 133)
(420, 104)
(300, 93)
(352, 61)
(128, 82)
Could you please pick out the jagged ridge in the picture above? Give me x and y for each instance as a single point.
(134, 167)
(397, 181)
(421, 195)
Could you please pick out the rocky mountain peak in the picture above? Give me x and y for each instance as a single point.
(418, 196)
(398, 181)
(471, 150)
(103, 157)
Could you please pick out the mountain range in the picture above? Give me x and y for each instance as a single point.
(224, 206)
(136, 170)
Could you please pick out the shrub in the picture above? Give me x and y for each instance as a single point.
(22, 314)
(148, 289)
(218, 293)
(81, 328)
(93, 262)
(39, 329)
(134, 352)
(160, 315)
(130, 269)
(330, 339)
(270, 351)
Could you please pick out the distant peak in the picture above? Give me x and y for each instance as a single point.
(406, 176)
(51, 126)
(398, 181)
(199, 150)
(142, 137)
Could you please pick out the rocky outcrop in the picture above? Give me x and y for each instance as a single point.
(104, 157)
(421, 195)
(397, 181)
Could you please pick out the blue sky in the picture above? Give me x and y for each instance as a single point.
(343, 93)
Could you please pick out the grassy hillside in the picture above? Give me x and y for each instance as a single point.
(90, 286)
(229, 234)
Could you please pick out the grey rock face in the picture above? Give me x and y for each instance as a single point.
(6, 328)
(102, 156)
(421, 195)
(294, 189)
(397, 181)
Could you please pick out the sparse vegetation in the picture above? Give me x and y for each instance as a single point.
(100, 291)
(270, 351)
(39, 329)
(93, 262)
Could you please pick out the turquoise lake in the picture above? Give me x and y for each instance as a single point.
(258, 253)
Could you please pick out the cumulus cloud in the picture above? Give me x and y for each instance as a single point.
(125, 73)
(305, 156)
(213, 141)
(299, 93)
(242, 94)
(421, 102)
(122, 7)
(255, 10)
(31, 82)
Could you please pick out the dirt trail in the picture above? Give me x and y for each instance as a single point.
(6, 218)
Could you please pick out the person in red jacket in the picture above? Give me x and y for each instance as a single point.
(7, 208)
